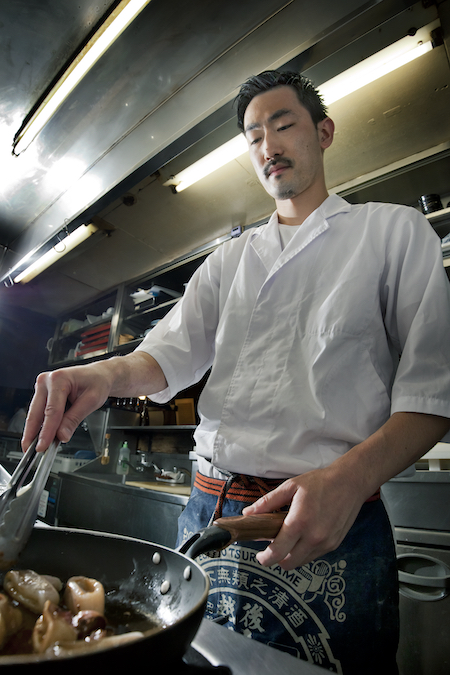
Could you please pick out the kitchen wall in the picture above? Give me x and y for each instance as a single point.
(23, 354)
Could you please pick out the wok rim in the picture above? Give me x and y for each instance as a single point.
(24, 659)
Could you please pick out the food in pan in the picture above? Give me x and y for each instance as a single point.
(10, 620)
(82, 593)
(31, 590)
(39, 615)
(54, 626)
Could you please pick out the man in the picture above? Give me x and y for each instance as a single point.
(325, 331)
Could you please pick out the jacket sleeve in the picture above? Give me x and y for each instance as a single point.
(417, 318)
(183, 341)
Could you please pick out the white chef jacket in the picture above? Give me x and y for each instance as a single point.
(314, 346)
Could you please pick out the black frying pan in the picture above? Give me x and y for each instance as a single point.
(136, 573)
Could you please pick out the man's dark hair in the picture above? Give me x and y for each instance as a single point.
(257, 84)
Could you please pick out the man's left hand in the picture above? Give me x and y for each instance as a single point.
(321, 512)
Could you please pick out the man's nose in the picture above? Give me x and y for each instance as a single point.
(272, 147)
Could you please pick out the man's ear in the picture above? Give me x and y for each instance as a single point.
(325, 129)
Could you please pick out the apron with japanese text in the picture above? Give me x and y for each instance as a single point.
(339, 612)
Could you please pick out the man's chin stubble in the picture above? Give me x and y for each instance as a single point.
(287, 193)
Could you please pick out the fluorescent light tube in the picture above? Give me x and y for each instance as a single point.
(49, 258)
(209, 163)
(116, 23)
(369, 70)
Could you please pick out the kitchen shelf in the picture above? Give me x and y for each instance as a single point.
(79, 331)
(127, 324)
(169, 440)
(140, 322)
(126, 347)
(437, 216)
(137, 319)
(163, 305)
(67, 342)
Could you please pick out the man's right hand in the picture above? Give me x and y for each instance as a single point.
(64, 398)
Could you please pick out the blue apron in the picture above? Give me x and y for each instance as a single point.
(339, 612)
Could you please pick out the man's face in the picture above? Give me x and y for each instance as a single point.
(286, 148)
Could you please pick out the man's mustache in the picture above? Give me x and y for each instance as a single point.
(276, 162)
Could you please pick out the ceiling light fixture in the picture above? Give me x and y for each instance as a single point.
(214, 160)
(53, 255)
(125, 12)
(369, 70)
(383, 62)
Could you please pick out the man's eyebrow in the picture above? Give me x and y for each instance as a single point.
(276, 115)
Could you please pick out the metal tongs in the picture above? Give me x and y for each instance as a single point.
(19, 500)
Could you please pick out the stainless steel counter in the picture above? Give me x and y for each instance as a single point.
(106, 504)
(245, 656)
(118, 485)
(419, 501)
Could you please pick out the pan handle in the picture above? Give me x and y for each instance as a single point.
(225, 531)
(252, 528)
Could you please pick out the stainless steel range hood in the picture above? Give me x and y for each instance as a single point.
(162, 96)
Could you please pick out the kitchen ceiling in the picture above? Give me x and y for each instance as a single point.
(162, 97)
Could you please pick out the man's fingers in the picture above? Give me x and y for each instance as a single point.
(287, 556)
(75, 414)
(36, 416)
(46, 413)
(31, 429)
(288, 539)
(270, 556)
(62, 400)
(297, 544)
(290, 531)
(273, 500)
(58, 389)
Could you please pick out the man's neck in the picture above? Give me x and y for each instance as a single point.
(295, 211)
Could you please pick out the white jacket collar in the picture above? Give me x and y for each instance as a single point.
(266, 239)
